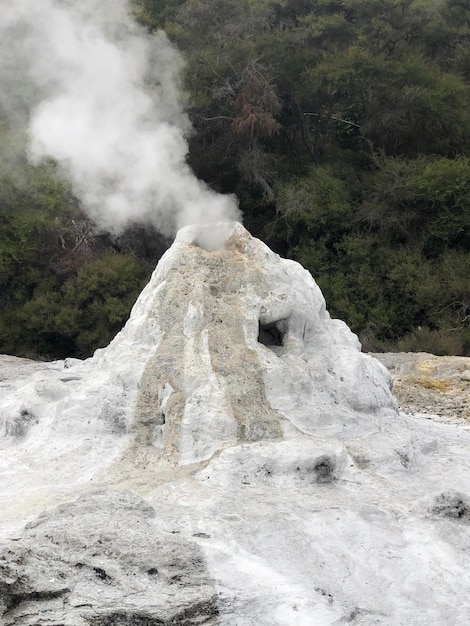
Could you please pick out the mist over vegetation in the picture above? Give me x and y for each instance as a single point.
(342, 127)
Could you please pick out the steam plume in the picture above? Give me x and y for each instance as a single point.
(107, 107)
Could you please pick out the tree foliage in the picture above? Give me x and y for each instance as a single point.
(361, 172)
(64, 289)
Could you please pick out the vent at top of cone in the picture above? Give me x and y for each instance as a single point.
(209, 237)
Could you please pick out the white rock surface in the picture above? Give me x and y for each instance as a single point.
(238, 432)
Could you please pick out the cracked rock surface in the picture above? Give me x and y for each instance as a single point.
(98, 561)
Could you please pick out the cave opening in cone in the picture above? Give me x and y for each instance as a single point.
(272, 334)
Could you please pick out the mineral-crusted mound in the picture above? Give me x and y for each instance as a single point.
(223, 346)
(231, 458)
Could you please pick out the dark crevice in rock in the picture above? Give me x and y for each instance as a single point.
(272, 334)
(198, 614)
(101, 573)
(453, 505)
(201, 613)
(324, 470)
(125, 619)
(15, 599)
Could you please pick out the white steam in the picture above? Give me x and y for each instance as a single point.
(108, 110)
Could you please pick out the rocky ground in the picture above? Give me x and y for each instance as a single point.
(428, 384)
(422, 382)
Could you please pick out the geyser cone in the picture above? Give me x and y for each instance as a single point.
(227, 343)
(236, 344)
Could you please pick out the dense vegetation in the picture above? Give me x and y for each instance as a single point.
(64, 288)
(343, 127)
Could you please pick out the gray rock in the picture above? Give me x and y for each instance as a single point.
(99, 561)
(453, 505)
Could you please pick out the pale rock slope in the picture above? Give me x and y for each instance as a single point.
(230, 458)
